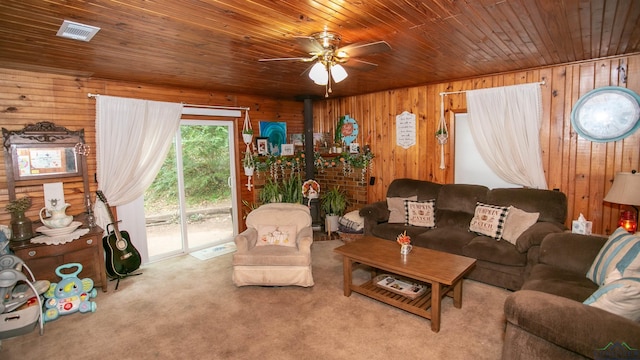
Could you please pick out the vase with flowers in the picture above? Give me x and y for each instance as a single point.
(21, 226)
(405, 243)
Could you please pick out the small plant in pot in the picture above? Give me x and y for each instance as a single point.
(248, 163)
(333, 202)
(247, 136)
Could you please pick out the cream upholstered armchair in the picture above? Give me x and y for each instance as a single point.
(275, 250)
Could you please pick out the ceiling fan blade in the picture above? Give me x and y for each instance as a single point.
(360, 64)
(355, 50)
(304, 59)
(309, 44)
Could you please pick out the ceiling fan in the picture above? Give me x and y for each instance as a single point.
(323, 48)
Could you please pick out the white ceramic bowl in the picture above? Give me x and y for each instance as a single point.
(59, 231)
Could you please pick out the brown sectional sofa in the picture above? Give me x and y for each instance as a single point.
(499, 263)
(547, 319)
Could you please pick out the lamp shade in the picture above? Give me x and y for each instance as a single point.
(338, 73)
(318, 74)
(625, 189)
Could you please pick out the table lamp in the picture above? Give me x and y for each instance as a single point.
(626, 191)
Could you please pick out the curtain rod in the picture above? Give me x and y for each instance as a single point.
(464, 91)
(197, 106)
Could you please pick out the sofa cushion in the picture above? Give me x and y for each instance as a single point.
(621, 297)
(552, 205)
(456, 204)
(391, 231)
(517, 222)
(420, 213)
(556, 281)
(499, 252)
(404, 188)
(441, 239)
(396, 208)
(489, 220)
(619, 257)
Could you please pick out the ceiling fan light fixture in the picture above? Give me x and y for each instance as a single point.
(318, 74)
(338, 73)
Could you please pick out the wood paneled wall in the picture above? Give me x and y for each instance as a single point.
(582, 169)
(29, 97)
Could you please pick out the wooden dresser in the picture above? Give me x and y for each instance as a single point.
(86, 250)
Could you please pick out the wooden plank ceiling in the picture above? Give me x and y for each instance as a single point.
(216, 44)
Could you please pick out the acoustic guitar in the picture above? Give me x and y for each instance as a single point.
(121, 257)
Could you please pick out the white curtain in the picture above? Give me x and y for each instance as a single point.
(133, 138)
(505, 125)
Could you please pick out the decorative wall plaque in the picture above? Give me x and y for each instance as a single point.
(406, 129)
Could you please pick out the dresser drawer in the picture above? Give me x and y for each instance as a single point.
(87, 250)
(58, 250)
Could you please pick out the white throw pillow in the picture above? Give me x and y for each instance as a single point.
(488, 220)
(621, 297)
(420, 213)
(517, 222)
(618, 258)
(352, 220)
(283, 235)
(396, 208)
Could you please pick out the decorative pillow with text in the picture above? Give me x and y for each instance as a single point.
(420, 213)
(396, 208)
(282, 235)
(489, 220)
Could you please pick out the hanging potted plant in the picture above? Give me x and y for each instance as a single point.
(21, 226)
(248, 163)
(333, 203)
(247, 136)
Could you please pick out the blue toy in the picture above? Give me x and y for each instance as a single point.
(70, 295)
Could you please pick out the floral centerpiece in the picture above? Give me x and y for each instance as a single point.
(403, 239)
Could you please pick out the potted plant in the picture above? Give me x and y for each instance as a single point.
(21, 226)
(270, 193)
(333, 203)
(248, 163)
(247, 135)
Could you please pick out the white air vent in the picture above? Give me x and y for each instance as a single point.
(77, 31)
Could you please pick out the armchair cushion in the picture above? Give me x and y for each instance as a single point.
(278, 235)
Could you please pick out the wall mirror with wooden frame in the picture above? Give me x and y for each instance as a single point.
(43, 152)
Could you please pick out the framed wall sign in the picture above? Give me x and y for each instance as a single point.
(262, 144)
(609, 113)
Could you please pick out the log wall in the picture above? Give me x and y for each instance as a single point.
(582, 169)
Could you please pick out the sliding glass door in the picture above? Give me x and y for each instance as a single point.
(189, 205)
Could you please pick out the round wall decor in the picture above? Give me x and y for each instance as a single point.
(609, 113)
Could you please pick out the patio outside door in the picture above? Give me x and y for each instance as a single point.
(189, 205)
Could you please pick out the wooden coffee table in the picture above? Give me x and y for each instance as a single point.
(442, 271)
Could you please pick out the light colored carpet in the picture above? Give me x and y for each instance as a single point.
(184, 308)
(214, 251)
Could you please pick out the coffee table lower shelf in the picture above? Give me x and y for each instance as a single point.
(420, 306)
